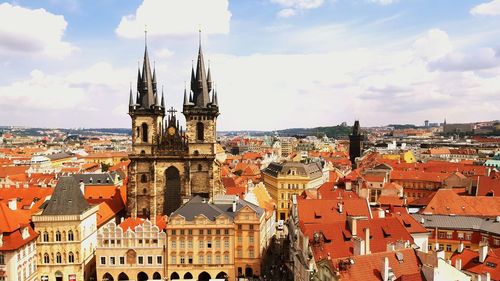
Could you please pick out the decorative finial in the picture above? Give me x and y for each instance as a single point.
(199, 36)
(146, 35)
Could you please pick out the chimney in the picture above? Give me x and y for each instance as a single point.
(82, 187)
(234, 206)
(359, 246)
(390, 247)
(436, 246)
(486, 277)
(385, 269)
(237, 197)
(319, 195)
(13, 204)
(458, 264)
(340, 205)
(367, 241)
(460, 248)
(440, 254)
(381, 213)
(483, 252)
(352, 225)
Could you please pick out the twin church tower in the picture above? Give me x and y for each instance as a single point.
(169, 165)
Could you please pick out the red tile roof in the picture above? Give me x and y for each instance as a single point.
(470, 262)
(447, 202)
(369, 267)
(319, 211)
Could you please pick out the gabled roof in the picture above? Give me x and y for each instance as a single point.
(67, 199)
(447, 202)
(470, 263)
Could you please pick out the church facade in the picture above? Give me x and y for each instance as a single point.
(169, 165)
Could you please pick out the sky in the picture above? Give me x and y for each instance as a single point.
(276, 63)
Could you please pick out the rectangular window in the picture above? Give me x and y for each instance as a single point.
(496, 242)
(190, 244)
(449, 235)
(140, 260)
(209, 259)
(250, 239)
(182, 260)
(202, 244)
(174, 244)
(448, 248)
(173, 232)
(250, 254)
(182, 231)
(200, 260)
(442, 235)
(239, 253)
(112, 260)
(159, 259)
(239, 227)
(182, 244)
(190, 260)
(226, 244)
(209, 244)
(103, 260)
(217, 244)
(441, 247)
(251, 227)
(2, 259)
(226, 231)
(150, 259)
(217, 231)
(190, 232)
(217, 259)
(226, 259)
(122, 260)
(201, 231)
(468, 236)
(173, 259)
(240, 239)
(209, 232)
(460, 235)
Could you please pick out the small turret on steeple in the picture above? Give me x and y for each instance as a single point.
(162, 98)
(215, 102)
(209, 78)
(186, 101)
(131, 98)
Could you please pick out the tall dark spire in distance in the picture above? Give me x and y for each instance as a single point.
(201, 97)
(145, 84)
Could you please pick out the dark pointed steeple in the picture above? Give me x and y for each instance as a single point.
(186, 101)
(145, 83)
(201, 97)
(209, 78)
(162, 98)
(139, 78)
(131, 98)
(215, 102)
(154, 77)
(193, 78)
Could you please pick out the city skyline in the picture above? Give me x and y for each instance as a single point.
(381, 62)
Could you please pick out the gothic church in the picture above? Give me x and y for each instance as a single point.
(168, 165)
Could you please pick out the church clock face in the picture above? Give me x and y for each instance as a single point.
(171, 131)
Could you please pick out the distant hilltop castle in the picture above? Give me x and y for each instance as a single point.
(169, 165)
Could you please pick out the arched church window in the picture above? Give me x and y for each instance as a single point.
(199, 167)
(144, 132)
(200, 131)
(144, 178)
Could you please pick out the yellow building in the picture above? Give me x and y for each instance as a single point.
(405, 156)
(283, 180)
(215, 240)
(109, 158)
(67, 229)
(134, 250)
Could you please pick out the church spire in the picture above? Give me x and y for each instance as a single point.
(162, 98)
(145, 81)
(201, 97)
(209, 78)
(131, 98)
(186, 101)
(355, 128)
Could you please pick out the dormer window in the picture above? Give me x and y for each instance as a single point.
(25, 233)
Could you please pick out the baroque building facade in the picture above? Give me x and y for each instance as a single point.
(170, 165)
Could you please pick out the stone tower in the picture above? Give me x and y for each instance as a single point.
(355, 143)
(169, 166)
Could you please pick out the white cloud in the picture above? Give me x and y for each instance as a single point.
(299, 4)
(67, 99)
(37, 32)
(164, 53)
(286, 13)
(384, 2)
(293, 7)
(434, 44)
(176, 17)
(491, 8)
(375, 85)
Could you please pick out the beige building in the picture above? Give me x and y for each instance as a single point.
(283, 180)
(67, 229)
(219, 240)
(133, 250)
